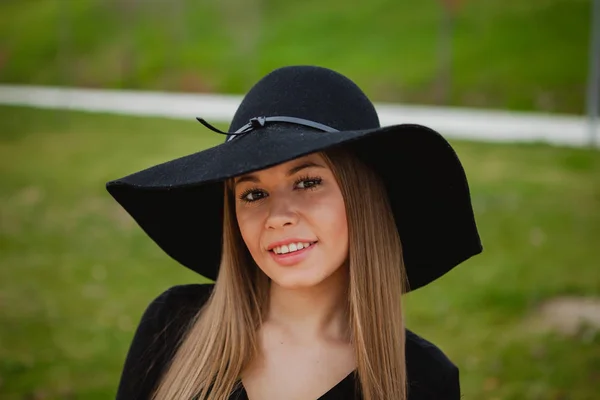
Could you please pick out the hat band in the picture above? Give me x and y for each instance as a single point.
(260, 122)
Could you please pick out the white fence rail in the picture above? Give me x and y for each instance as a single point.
(480, 125)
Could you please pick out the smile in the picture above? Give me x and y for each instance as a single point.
(291, 253)
(291, 247)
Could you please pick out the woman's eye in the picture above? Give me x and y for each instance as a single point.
(308, 183)
(252, 196)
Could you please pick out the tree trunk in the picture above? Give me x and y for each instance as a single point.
(243, 19)
(64, 44)
(445, 55)
(128, 10)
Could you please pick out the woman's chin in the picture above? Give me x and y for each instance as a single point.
(302, 275)
(299, 279)
(296, 282)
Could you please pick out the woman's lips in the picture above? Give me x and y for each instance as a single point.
(292, 258)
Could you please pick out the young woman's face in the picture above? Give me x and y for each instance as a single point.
(293, 220)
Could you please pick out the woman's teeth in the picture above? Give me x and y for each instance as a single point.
(290, 248)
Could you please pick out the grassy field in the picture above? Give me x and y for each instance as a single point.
(513, 54)
(76, 273)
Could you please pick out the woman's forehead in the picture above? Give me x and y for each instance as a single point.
(288, 168)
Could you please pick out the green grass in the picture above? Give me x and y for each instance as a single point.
(76, 273)
(512, 54)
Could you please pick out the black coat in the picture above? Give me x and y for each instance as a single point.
(431, 374)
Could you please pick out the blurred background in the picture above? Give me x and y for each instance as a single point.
(521, 320)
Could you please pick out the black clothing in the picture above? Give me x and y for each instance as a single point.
(431, 374)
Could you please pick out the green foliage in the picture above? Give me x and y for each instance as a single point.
(506, 54)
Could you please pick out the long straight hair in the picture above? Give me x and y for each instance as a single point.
(222, 339)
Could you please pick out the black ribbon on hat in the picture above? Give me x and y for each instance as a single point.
(259, 122)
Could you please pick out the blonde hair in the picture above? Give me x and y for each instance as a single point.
(222, 338)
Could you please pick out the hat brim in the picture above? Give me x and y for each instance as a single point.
(179, 204)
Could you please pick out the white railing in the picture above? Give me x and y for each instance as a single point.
(461, 123)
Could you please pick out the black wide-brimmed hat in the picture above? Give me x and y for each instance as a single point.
(292, 112)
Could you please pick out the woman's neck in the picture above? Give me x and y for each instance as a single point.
(316, 312)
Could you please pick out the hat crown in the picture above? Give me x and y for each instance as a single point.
(314, 93)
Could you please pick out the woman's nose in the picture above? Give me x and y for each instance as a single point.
(281, 213)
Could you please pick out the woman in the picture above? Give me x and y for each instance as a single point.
(313, 221)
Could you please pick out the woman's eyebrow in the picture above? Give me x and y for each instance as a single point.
(298, 168)
(290, 172)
